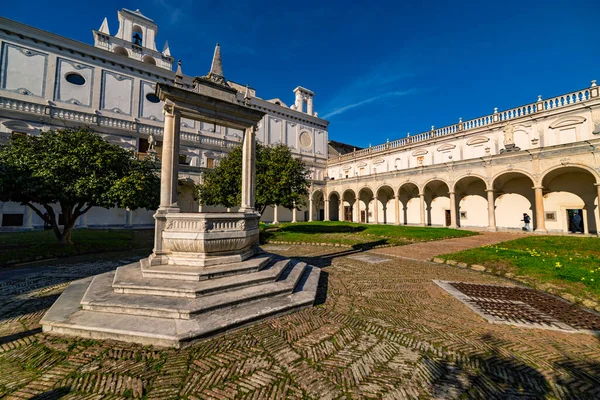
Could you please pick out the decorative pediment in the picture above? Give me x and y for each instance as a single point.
(477, 140)
(446, 147)
(419, 152)
(346, 167)
(361, 164)
(567, 121)
(377, 162)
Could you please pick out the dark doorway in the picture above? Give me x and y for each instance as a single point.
(348, 213)
(575, 220)
(322, 214)
(363, 216)
(448, 219)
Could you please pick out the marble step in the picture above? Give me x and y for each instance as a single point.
(100, 297)
(66, 318)
(194, 273)
(129, 279)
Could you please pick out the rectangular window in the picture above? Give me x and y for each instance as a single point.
(183, 159)
(362, 172)
(12, 219)
(210, 163)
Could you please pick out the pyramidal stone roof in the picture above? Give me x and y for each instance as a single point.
(216, 69)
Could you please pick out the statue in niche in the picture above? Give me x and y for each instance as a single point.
(509, 135)
(509, 139)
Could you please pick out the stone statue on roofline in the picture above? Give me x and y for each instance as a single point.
(509, 139)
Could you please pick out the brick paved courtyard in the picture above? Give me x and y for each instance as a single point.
(381, 330)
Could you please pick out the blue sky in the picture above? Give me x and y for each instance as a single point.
(379, 69)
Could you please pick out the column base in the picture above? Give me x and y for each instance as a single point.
(541, 231)
(492, 229)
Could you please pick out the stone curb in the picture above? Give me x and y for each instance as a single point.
(323, 244)
(587, 303)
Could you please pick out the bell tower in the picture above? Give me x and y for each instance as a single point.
(136, 39)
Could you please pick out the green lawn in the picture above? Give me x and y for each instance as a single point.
(567, 263)
(353, 234)
(28, 246)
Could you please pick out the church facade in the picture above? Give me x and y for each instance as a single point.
(49, 82)
(540, 159)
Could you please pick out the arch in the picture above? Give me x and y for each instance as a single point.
(410, 203)
(470, 175)
(385, 202)
(348, 205)
(137, 35)
(334, 206)
(571, 165)
(437, 202)
(427, 182)
(348, 191)
(515, 171)
(472, 199)
(409, 182)
(318, 205)
(315, 192)
(333, 192)
(149, 60)
(366, 187)
(513, 197)
(120, 50)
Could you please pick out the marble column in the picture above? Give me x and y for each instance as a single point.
(275, 214)
(491, 210)
(294, 214)
(327, 210)
(397, 209)
(375, 210)
(540, 223)
(169, 173)
(310, 209)
(248, 170)
(28, 218)
(341, 210)
(453, 223)
(355, 211)
(423, 211)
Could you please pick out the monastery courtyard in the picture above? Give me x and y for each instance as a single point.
(381, 329)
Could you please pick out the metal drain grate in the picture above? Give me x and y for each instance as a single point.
(522, 307)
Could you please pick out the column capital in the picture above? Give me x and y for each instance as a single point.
(451, 192)
(537, 187)
(490, 190)
(421, 194)
(326, 200)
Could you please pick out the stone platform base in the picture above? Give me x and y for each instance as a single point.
(178, 305)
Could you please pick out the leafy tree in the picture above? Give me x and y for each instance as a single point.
(77, 170)
(281, 179)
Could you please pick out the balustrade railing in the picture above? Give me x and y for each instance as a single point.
(498, 116)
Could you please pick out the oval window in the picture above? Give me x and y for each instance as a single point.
(75, 79)
(152, 98)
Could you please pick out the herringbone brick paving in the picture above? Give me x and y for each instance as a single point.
(379, 331)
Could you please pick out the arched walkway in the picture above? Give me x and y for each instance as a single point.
(365, 206)
(349, 206)
(412, 212)
(569, 200)
(335, 207)
(472, 198)
(316, 207)
(513, 196)
(385, 206)
(437, 203)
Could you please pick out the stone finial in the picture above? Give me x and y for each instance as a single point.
(460, 120)
(166, 49)
(594, 83)
(539, 97)
(216, 69)
(179, 75)
(495, 110)
(104, 27)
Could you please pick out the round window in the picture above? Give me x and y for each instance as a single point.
(75, 79)
(152, 98)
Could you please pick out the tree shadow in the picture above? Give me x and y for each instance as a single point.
(19, 335)
(495, 375)
(53, 394)
(17, 308)
(321, 228)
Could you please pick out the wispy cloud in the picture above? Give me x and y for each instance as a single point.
(367, 101)
(174, 11)
(369, 88)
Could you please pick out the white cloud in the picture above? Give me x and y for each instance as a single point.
(367, 101)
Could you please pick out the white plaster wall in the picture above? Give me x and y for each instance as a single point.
(102, 217)
(413, 211)
(149, 110)
(292, 137)
(23, 68)
(142, 216)
(117, 92)
(389, 215)
(477, 211)
(509, 210)
(559, 202)
(439, 205)
(275, 130)
(320, 142)
(70, 93)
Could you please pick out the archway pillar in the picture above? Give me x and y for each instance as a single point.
(310, 209)
(397, 209)
(341, 210)
(326, 209)
(491, 210)
(355, 211)
(275, 214)
(375, 210)
(422, 207)
(294, 213)
(453, 210)
(540, 223)
(597, 216)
